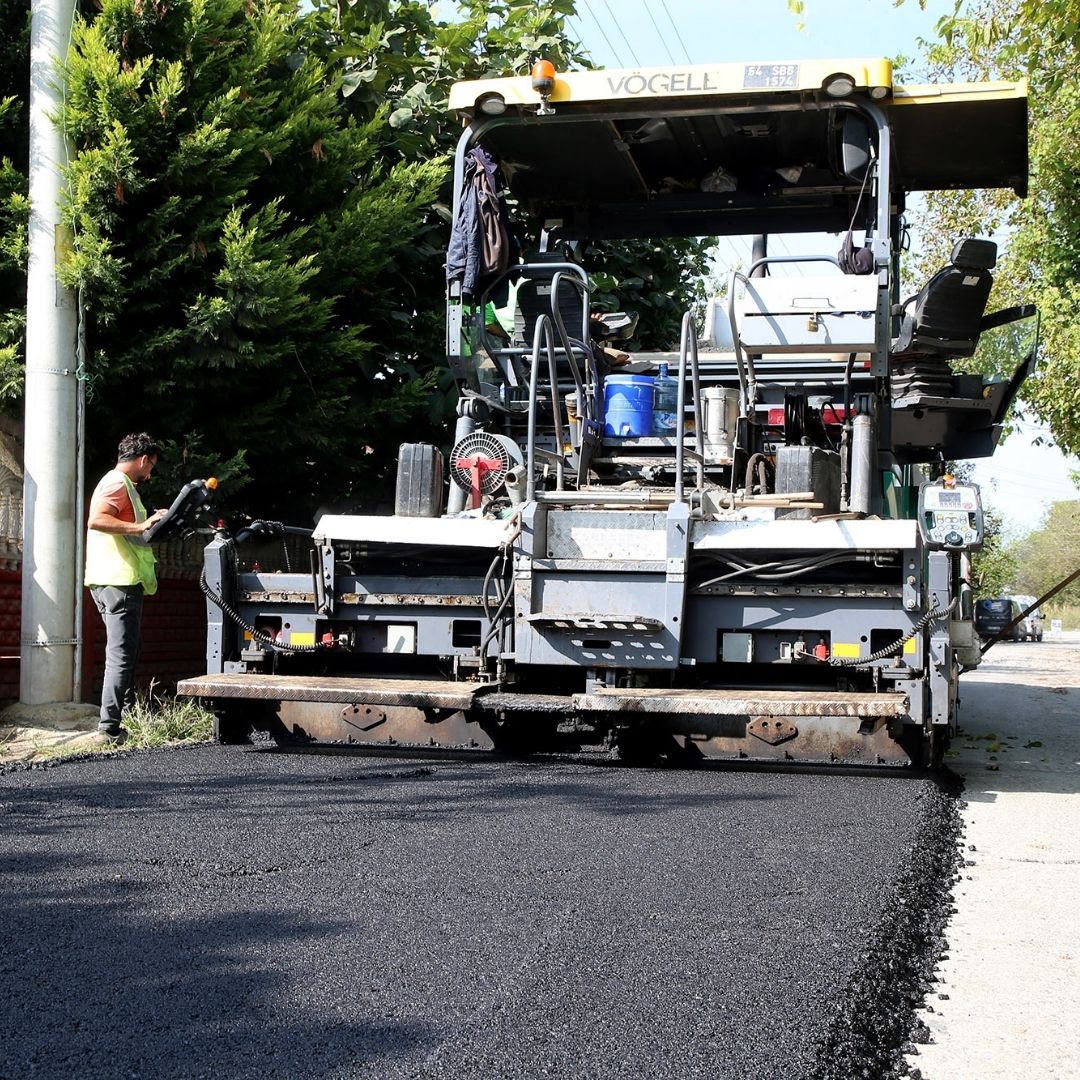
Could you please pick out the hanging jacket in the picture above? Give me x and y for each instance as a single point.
(481, 244)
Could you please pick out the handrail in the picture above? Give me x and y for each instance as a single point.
(588, 406)
(544, 331)
(742, 360)
(580, 279)
(522, 269)
(688, 345)
(792, 259)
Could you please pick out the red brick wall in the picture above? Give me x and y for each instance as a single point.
(10, 623)
(173, 636)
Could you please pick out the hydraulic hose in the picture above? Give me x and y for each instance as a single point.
(498, 617)
(759, 461)
(256, 635)
(889, 650)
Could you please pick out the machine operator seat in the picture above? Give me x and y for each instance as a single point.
(944, 318)
(534, 298)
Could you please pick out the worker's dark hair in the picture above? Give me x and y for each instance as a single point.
(135, 445)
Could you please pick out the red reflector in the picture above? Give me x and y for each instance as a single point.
(830, 414)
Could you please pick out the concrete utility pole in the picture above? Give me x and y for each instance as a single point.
(49, 633)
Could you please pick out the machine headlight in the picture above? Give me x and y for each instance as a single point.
(840, 85)
(491, 104)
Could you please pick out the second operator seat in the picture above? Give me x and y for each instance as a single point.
(944, 318)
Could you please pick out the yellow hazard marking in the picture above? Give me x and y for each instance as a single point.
(911, 647)
(302, 638)
(846, 648)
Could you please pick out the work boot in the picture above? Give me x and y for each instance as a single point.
(109, 737)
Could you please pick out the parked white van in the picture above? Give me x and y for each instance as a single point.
(1031, 627)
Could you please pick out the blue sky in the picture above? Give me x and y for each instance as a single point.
(631, 33)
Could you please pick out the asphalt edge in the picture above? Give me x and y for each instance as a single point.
(876, 1023)
(9, 768)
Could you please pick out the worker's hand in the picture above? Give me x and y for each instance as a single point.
(153, 519)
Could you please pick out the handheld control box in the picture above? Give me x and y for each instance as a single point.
(951, 515)
(193, 500)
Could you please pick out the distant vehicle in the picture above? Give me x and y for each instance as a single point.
(993, 615)
(1031, 627)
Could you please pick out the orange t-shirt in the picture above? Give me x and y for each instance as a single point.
(111, 489)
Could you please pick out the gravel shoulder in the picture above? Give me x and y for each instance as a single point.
(1009, 990)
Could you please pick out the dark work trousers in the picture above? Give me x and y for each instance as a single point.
(121, 611)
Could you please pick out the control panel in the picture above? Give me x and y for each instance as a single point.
(951, 515)
(193, 500)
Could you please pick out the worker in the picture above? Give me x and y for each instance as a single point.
(120, 572)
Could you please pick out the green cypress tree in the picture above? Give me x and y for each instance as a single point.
(398, 60)
(399, 54)
(236, 236)
(14, 204)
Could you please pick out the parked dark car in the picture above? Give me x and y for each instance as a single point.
(993, 615)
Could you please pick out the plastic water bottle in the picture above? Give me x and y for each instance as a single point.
(665, 403)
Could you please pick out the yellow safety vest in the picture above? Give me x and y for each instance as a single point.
(115, 559)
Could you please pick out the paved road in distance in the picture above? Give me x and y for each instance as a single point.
(232, 912)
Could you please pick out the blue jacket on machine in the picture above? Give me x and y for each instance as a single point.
(481, 244)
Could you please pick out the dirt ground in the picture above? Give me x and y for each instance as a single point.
(29, 732)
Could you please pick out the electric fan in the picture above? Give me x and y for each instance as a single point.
(480, 461)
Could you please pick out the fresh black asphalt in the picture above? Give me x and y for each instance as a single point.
(235, 912)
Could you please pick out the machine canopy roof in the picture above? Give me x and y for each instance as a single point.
(737, 149)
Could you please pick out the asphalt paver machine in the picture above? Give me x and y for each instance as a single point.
(742, 547)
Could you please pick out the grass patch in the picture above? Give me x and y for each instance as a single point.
(1069, 614)
(153, 720)
(164, 721)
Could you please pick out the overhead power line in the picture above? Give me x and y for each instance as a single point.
(667, 11)
(603, 33)
(646, 4)
(785, 250)
(572, 24)
(1025, 481)
(633, 55)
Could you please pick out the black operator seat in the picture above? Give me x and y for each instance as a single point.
(945, 317)
(534, 298)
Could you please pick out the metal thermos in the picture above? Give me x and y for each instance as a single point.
(721, 408)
